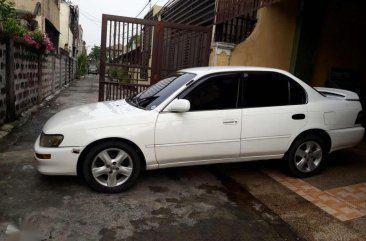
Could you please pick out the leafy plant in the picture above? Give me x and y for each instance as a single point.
(82, 64)
(121, 74)
(38, 36)
(94, 55)
(12, 27)
(7, 10)
(9, 21)
(134, 42)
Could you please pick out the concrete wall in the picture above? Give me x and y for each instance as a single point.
(271, 43)
(342, 42)
(2, 83)
(66, 36)
(29, 90)
(47, 75)
(25, 78)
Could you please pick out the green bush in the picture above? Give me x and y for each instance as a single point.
(38, 36)
(7, 10)
(82, 65)
(121, 74)
(10, 22)
(12, 27)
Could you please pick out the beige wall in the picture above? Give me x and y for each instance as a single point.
(271, 43)
(342, 41)
(66, 36)
(50, 10)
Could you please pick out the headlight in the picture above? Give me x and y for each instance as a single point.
(50, 140)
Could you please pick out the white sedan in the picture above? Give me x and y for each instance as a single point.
(201, 116)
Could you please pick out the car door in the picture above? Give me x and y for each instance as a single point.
(274, 109)
(209, 131)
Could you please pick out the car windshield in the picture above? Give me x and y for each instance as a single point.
(156, 94)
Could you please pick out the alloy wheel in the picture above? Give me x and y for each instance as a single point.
(112, 167)
(308, 156)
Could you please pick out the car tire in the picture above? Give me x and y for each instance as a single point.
(307, 156)
(111, 167)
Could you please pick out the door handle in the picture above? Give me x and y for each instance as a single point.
(230, 122)
(298, 117)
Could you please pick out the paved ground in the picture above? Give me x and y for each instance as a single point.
(248, 201)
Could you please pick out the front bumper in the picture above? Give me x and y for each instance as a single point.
(63, 160)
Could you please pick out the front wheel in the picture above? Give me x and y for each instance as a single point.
(111, 167)
(307, 156)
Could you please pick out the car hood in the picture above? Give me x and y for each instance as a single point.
(98, 115)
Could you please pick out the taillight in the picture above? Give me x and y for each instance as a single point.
(359, 120)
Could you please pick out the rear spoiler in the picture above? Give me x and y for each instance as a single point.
(338, 93)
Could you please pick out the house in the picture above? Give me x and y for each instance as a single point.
(70, 30)
(46, 13)
(321, 42)
(81, 48)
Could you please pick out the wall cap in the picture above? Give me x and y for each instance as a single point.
(220, 47)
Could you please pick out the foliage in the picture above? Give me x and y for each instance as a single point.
(121, 74)
(12, 27)
(37, 36)
(8, 19)
(94, 55)
(134, 41)
(82, 64)
(7, 10)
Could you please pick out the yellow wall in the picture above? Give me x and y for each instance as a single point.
(271, 43)
(342, 41)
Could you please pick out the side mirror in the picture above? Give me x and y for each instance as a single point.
(179, 105)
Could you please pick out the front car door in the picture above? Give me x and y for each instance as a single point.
(274, 109)
(209, 131)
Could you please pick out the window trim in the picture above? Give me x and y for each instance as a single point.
(289, 90)
(201, 80)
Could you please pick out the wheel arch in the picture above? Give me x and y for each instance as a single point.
(318, 132)
(92, 144)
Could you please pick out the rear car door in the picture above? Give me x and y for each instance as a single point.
(210, 130)
(274, 109)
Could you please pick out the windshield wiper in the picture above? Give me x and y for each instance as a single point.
(133, 99)
(141, 101)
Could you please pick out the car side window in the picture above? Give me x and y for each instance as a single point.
(268, 89)
(219, 92)
(297, 94)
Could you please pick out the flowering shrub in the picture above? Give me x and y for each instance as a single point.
(48, 43)
(37, 40)
(11, 27)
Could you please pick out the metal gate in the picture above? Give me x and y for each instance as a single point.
(136, 53)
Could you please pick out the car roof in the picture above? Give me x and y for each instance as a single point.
(217, 69)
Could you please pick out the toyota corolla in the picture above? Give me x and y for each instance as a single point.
(201, 116)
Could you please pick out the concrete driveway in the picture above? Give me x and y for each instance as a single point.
(248, 201)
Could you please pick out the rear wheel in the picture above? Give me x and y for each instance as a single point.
(307, 156)
(111, 167)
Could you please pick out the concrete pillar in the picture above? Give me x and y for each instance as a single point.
(221, 53)
(10, 82)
